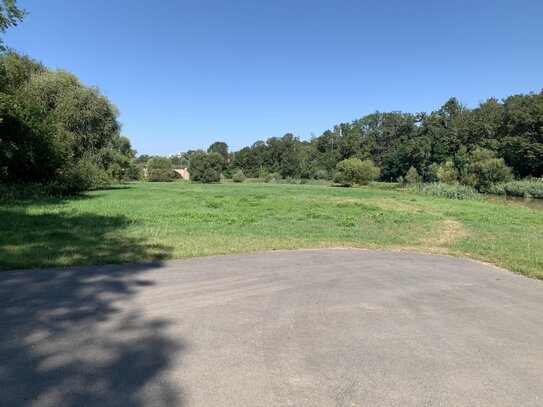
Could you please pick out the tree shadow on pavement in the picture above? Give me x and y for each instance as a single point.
(73, 337)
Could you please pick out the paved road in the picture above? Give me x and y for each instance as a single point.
(303, 328)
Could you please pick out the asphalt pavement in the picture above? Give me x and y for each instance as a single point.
(298, 328)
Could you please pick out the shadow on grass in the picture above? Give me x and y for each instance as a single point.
(70, 337)
(63, 239)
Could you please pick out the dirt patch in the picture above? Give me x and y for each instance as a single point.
(450, 232)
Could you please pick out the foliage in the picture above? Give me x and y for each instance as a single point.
(272, 177)
(53, 129)
(443, 190)
(134, 172)
(10, 15)
(177, 160)
(355, 171)
(447, 173)
(238, 176)
(440, 145)
(484, 169)
(412, 176)
(322, 174)
(221, 148)
(159, 169)
(529, 188)
(205, 167)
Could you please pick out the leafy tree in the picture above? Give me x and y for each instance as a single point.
(159, 169)
(322, 174)
(447, 173)
(412, 176)
(238, 176)
(179, 160)
(85, 119)
(10, 15)
(221, 148)
(486, 169)
(205, 167)
(16, 70)
(142, 160)
(355, 171)
(134, 172)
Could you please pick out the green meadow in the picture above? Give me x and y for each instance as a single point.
(145, 222)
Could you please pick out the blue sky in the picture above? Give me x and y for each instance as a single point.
(187, 73)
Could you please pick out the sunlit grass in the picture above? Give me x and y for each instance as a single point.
(154, 221)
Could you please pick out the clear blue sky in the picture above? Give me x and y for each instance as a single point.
(187, 73)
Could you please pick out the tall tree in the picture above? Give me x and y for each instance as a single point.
(219, 147)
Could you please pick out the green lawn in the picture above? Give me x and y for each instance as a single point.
(143, 222)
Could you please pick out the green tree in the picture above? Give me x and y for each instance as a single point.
(412, 176)
(10, 15)
(447, 173)
(486, 169)
(355, 171)
(522, 142)
(205, 167)
(238, 176)
(221, 148)
(159, 169)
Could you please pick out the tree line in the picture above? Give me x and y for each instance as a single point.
(64, 137)
(494, 142)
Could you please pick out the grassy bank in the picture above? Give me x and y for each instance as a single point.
(142, 222)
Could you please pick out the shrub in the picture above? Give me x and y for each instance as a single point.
(431, 173)
(322, 174)
(204, 167)
(133, 173)
(354, 171)
(159, 169)
(238, 176)
(443, 190)
(447, 173)
(485, 169)
(528, 188)
(272, 177)
(412, 176)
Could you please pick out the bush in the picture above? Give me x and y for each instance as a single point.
(81, 176)
(447, 173)
(322, 174)
(485, 169)
(133, 173)
(354, 171)
(238, 176)
(412, 176)
(431, 173)
(204, 167)
(528, 188)
(443, 190)
(272, 177)
(159, 169)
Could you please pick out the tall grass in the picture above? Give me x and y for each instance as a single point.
(443, 190)
(528, 188)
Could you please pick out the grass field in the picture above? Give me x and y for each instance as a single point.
(143, 222)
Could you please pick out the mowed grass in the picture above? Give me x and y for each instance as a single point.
(144, 222)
